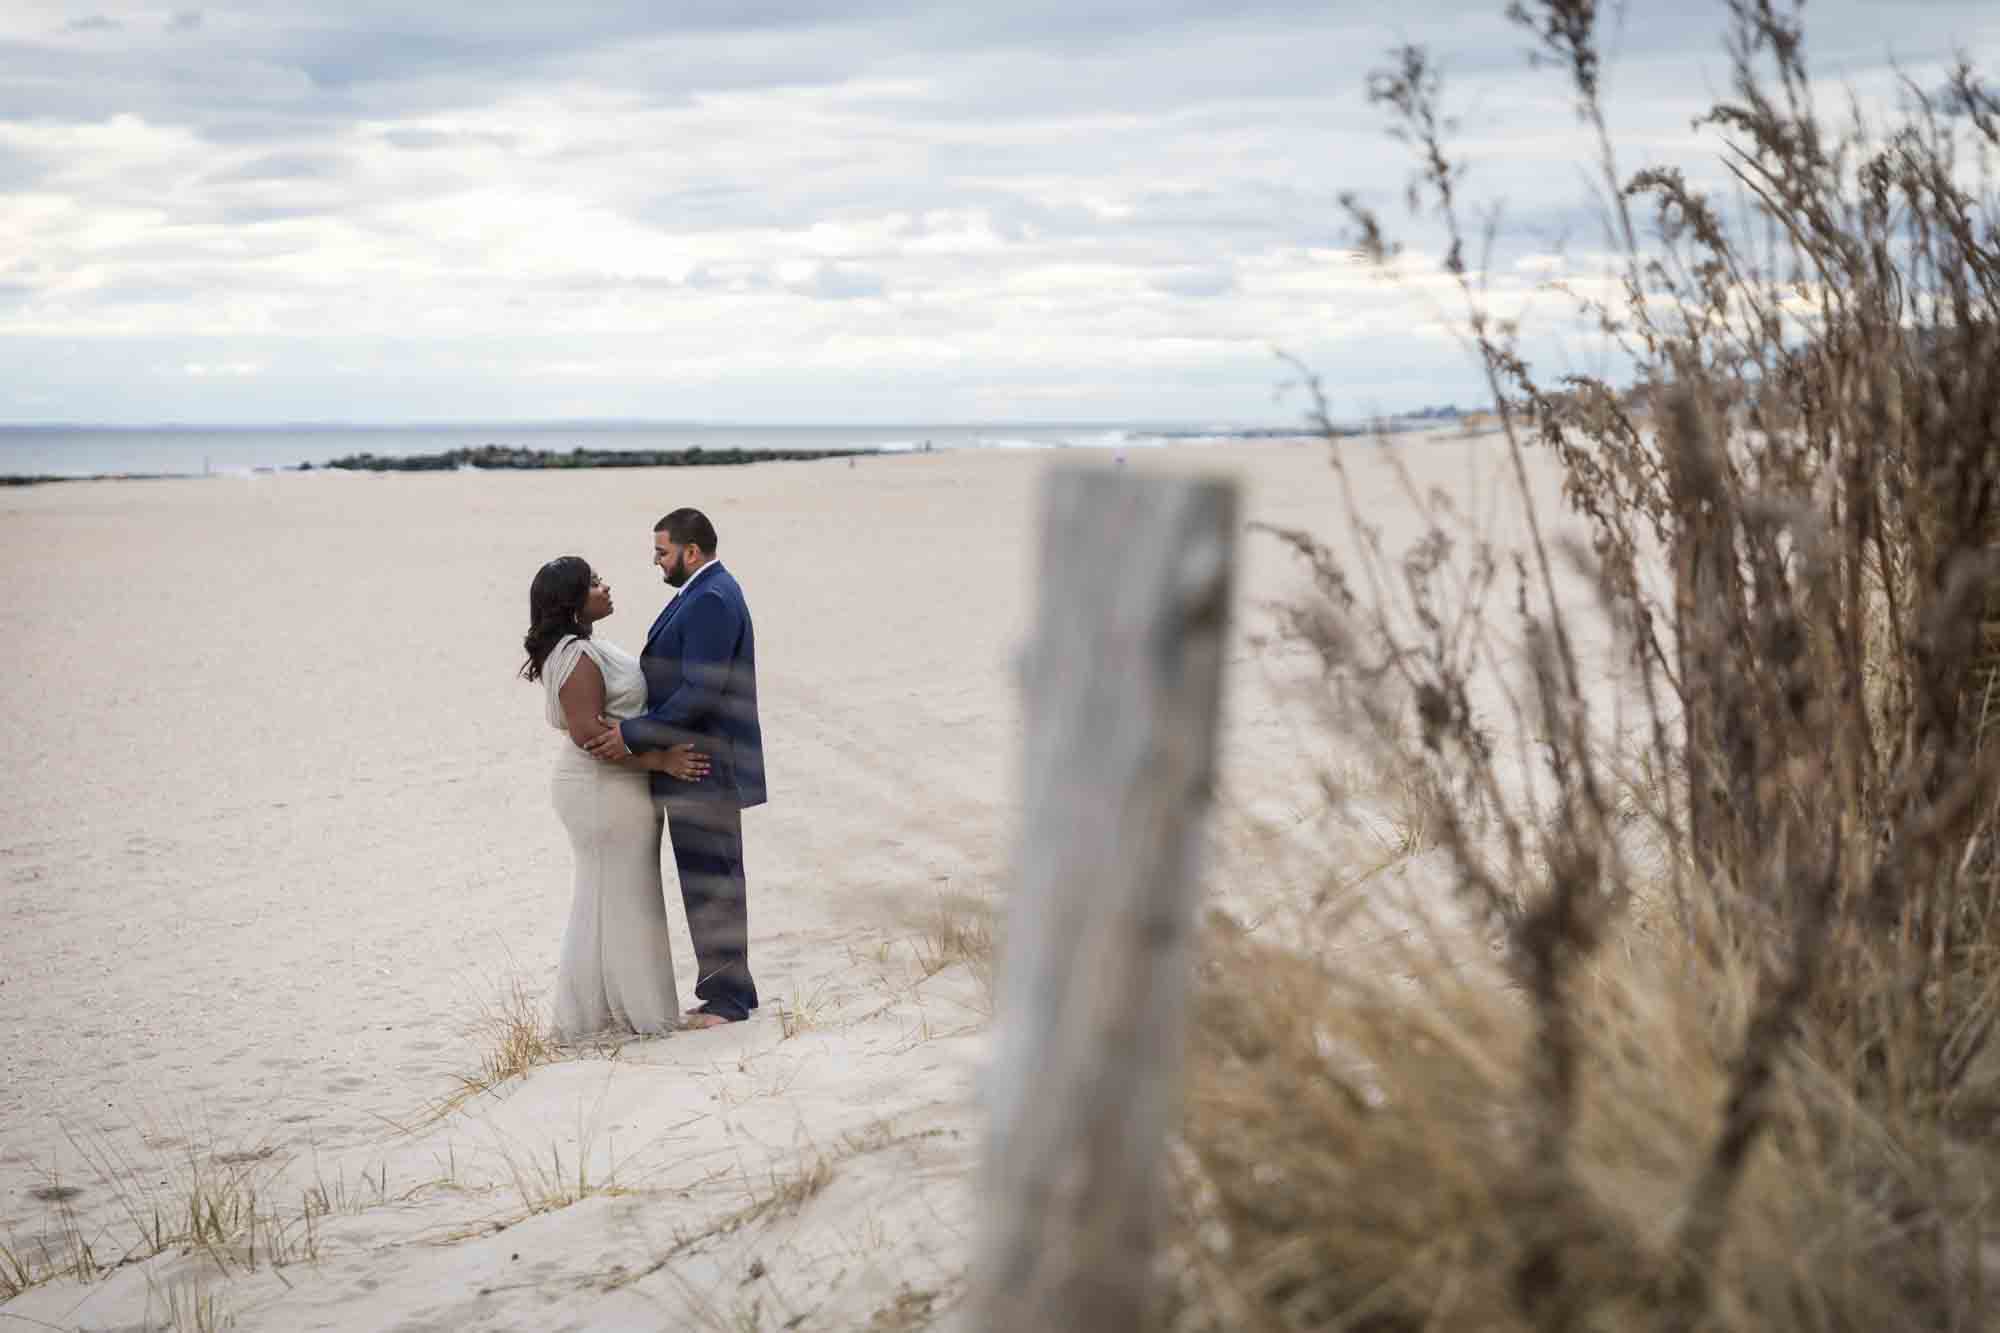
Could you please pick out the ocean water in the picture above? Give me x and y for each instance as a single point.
(87, 451)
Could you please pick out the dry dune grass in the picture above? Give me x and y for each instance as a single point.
(956, 929)
(219, 1205)
(194, 1308)
(1355, 1137)
(222, 1204)
(63, 1251)
(517, 1039)
(1732, 1068)
(514, 1037)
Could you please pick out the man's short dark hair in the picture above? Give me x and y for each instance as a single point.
(685, 526)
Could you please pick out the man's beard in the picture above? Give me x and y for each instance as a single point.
(677, 573)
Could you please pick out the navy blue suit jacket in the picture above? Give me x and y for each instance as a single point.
(700, 664)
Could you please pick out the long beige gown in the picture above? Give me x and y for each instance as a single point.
(617, 970)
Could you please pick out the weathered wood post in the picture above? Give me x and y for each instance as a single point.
(1122, 698)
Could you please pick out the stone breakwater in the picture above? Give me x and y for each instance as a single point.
(501, 457)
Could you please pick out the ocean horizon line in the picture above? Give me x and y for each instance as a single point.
(651, 423)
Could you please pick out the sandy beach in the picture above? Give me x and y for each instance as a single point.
(277, 829)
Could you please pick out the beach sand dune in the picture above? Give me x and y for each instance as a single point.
(277, 826)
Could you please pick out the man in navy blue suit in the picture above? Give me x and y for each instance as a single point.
(700, 664)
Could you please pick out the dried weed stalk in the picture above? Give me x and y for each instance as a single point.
(1723, 1109)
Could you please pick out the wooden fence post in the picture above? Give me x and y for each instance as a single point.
(1122, 682)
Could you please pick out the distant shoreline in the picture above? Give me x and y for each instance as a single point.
(490, 458)
(495, 457)
(38, 479)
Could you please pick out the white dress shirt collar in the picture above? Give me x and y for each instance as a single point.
(696, 577)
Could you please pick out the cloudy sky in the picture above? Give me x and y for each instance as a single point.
(789, 210)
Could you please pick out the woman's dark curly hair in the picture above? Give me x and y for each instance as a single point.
(555, 609)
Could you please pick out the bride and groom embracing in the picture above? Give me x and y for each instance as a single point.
(668, 738)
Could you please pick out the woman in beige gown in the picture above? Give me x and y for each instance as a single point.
(617, 971)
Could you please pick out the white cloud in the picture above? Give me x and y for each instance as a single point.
(837, 211)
